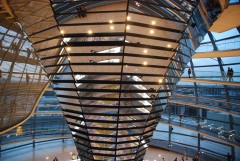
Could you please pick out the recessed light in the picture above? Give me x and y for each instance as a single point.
(47, 158)
(145, 51)
(145, 63)
(153, 22)
(151, 31)
(69, 58)
(68, 48)
(110, 21)
(160, 81)
(128, 18)
(169, 45)
(127, 27)
(62, 32)
(112, 27)
(89, 31)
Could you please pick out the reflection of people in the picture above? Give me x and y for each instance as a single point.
(27, 78)
(28, 52)
(229, 157)
(55, 159)
(180, 119)
(81, 11)
(189, 72)
(175, 159)
(0, 73)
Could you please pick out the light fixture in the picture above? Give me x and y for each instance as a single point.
(128, 18)
(110, 21)
(62, 32)
(112, 27)
(169, 45)
(160, 81)
(127, 27)
(153, 22)
(68, 49)
(47, 158)
(89, 31)
(69, 58)
(151, 31)
(145, 51)
(145, 63)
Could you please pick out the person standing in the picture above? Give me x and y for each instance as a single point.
(231, 72)
(0, 73)
(189, 72)
(228, 74)
(55, 159)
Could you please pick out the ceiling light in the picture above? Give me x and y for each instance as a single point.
(69, 58)
(110, 21)
(89, 31)
(153, 22)
(127, 27)
(128, 18)
(145, 63)
(160, 81)
(169, 45)
(47, 158)
(62, 32)
(145, 51)
(151, 31)
(112, 27)
(68, 48)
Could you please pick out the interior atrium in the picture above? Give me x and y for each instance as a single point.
(120, 80)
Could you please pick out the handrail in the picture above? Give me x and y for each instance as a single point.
(205, 98)
(200, 132)
(36, 139)
(31, 113)
(218, 109)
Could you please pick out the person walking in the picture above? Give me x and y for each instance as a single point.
(189, 72)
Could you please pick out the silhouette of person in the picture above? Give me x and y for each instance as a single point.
(175, 159)
(231, 74)
(55, 159)
(228, 74)
(189, 72)
(229, 157)
(0, 73)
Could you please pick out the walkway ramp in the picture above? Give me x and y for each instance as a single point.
(215, 54)
(210, 81)
(214, 108)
